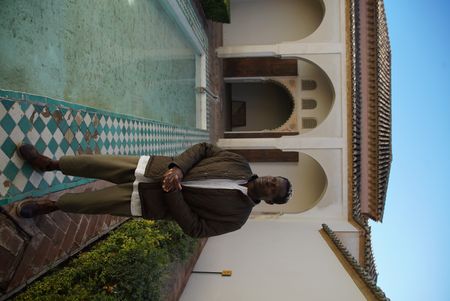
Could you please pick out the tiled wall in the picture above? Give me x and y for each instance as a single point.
(60, 128)
(118, 55)
(28, 248)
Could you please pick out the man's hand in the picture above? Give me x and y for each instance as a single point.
(172, 179)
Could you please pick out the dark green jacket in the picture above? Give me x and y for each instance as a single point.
(200, 212)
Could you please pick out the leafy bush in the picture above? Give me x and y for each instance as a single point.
(130, 264)
(217, 10)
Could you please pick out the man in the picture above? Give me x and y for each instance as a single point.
(208, 191)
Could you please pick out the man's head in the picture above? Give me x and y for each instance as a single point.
(273, 190)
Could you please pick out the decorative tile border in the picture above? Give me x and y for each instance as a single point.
(60, 128)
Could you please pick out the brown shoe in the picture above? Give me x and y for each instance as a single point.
(39, 162)
(33, 207)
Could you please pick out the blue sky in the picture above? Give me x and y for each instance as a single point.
(412, 245)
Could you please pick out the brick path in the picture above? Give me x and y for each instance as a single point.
(29, 248)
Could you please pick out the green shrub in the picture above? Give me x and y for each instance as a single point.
(217, 10)
(130, 264)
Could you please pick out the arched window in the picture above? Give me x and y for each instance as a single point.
(308, 84)
(309, 123)
(309, 104)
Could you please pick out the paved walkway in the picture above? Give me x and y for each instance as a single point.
(60, 128)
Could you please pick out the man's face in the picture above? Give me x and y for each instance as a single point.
(268, 188)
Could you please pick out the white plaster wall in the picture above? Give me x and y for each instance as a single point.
(350, 239)
(308, 179)
(271, 260)
(330, 153)
(257, 22)
(327, 38)
(327, 143)
(323, 94)
(285, 258)
(331, 205)
(331, 26)
(331, 125)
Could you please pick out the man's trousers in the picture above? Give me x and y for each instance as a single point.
(113, 200)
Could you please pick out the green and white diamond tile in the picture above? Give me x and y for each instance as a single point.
(58, 128)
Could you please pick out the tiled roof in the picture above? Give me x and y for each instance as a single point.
(362, 272)
(379, 122)
(371, 75)
(356, 110)
(382, 110)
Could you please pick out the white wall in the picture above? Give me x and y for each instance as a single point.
(271, 260)
(323, 94)
(325, 39)
(351, 240)
(328, 142)
(285, 258)
(308, 180)
(257, 22)
(329, 154)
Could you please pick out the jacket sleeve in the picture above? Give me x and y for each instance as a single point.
(186, 160)
(192, 224)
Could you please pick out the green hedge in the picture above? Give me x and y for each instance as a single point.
(217, 10)
(130, 264)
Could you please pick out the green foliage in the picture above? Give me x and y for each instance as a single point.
(130, 264)
(217, 10)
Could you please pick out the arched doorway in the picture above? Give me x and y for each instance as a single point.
(309, 183)
(258, 105)
(268, 95)
(271, 21)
